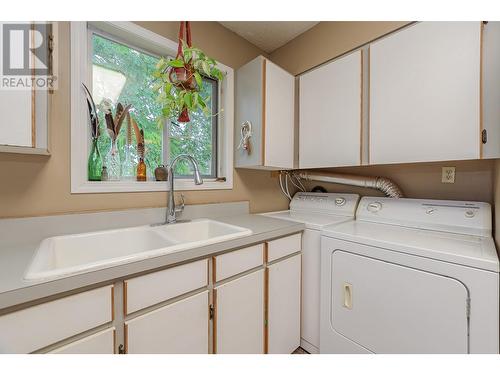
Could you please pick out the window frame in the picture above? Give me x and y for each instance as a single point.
(149, 42)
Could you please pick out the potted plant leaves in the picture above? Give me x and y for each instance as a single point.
(179, 80)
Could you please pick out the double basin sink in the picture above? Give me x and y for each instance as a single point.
(78, 253)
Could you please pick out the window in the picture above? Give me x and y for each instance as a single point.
(120, 60)
(123, 74)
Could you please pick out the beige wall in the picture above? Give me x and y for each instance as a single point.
(328, 40)
(36, 185)
(474, 180)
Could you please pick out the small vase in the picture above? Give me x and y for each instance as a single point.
(94, 165)
(141, 170)
(128, 165)
(113, 163)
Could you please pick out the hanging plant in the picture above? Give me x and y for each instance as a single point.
(179, 80)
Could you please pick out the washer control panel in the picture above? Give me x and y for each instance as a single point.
(449, 216)
(326, 203)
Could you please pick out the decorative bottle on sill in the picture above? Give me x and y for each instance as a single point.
(129, 162)
(113, 162)
(128, 170)
(141, 166)
(141, 170)
(94, 165)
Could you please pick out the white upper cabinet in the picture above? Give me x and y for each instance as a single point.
(330, 116)
(24, 109)
(265, 98)
(424, 92)
(491, 90)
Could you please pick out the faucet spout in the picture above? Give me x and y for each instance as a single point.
(198, 180)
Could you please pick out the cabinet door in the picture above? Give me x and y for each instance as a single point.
(98, 343)
(330, 114)
(239, 315)
(284, 306)
(311, 261)
(179, 328)
(424, 93)
(279, 117)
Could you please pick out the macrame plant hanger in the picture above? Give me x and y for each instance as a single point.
(183, 76)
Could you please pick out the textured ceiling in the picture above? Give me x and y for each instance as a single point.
(268, 36)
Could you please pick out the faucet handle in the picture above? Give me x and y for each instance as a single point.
(183, 203)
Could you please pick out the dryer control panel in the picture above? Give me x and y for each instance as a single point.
(463, 217)
(325, 203)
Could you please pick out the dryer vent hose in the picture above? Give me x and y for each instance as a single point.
(385, 185)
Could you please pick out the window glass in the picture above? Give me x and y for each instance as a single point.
(123, 74)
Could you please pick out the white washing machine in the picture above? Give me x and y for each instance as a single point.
(410, 276)
(315, 210)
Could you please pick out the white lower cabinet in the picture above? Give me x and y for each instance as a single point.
(99, 343)
(179, 328)
(176, 310)
(284, 305)
(239, 315)
(311, 265)
(40, 326)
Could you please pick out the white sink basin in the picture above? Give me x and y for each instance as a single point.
(78, 253)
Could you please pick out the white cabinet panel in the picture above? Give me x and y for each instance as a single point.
(425, 93)
(16, 124)
(330, 114)
(235, 262)
(311, 261)
(265, 96)
(284, 306)
(284, 246)
(491, 89)
(98, 343)
(249, 99)
(279, 117)
(179, 328)
(239, 315)
(388, 308)
(156, 287)
(33, 328)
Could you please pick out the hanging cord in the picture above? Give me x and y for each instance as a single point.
(246, 134)
(285, 193)
(184, 25)
(286, 177)
(297, 183)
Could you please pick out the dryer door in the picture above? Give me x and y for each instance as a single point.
(388, 308)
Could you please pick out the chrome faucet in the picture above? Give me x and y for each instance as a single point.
(171, 209)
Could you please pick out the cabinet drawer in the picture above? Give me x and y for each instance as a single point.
(36, 327)
(147, 290)
(284, 246)
(99, 343)
(235, 262)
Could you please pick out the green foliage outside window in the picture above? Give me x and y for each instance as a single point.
(194, 138)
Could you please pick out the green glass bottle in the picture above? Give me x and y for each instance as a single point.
(94, 164)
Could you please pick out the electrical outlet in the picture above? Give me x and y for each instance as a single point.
(448, 175)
